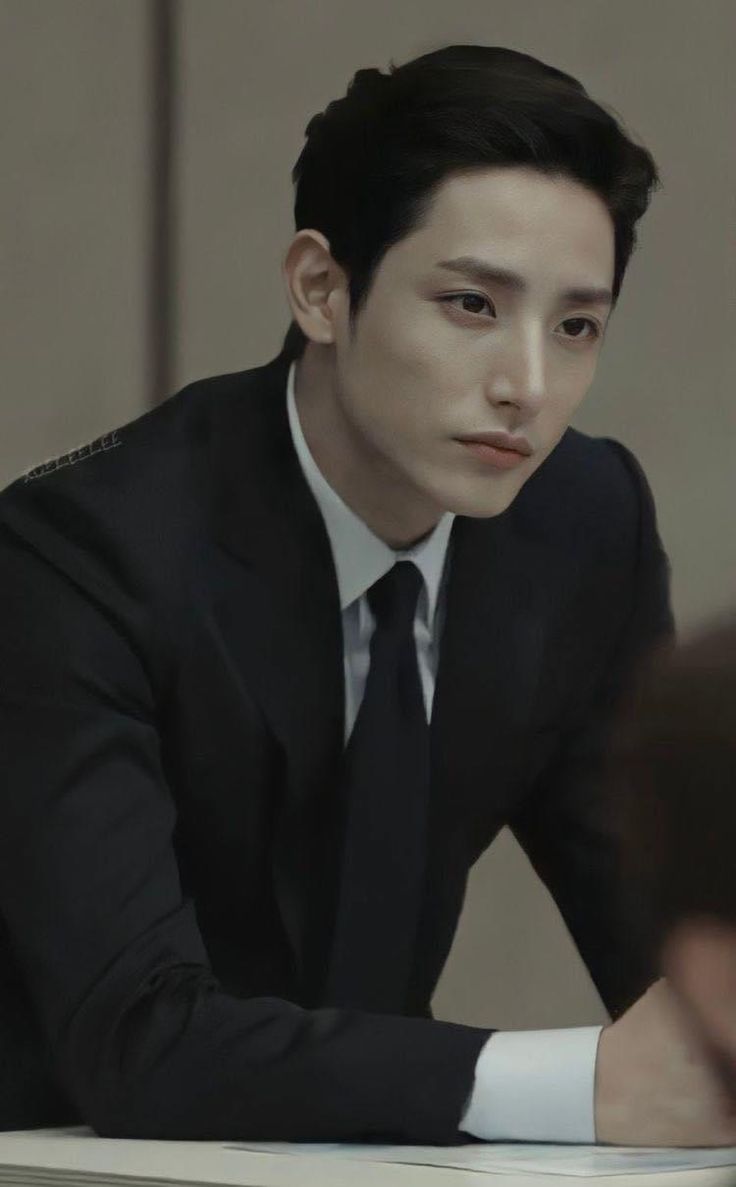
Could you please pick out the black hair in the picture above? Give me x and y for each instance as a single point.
(373, 160)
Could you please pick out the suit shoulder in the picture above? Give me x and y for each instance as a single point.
(603, 463)
(152, 438)
(592, 488)
(119, 506)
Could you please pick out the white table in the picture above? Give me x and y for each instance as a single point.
(79, 1153)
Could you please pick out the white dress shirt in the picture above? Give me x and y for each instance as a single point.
(533, 1085)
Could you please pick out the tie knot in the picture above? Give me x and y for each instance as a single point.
(393, 598)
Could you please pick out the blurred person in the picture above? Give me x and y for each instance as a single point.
(281, 656)
(671, 770)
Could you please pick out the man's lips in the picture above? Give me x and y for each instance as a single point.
(500, 441)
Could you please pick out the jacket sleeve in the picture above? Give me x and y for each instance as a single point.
(142, 1037)
(567, 825)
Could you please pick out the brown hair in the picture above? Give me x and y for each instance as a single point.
(671, 779)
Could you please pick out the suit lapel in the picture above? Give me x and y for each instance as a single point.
(279, 612)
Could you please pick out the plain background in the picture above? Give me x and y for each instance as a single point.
(75, 324)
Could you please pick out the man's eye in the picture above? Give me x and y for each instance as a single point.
(467, 297)
(585, 321)
(594, 328)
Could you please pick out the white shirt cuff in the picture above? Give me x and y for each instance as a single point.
(535, 1086)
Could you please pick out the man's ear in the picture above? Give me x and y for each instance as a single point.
(314, 284)
(699, 959)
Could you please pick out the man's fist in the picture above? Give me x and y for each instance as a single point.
(653, 1084)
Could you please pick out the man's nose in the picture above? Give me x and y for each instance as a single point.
(520, 368)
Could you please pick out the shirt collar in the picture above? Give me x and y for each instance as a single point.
(360, 556)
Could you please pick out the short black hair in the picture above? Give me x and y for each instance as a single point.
(367, 175)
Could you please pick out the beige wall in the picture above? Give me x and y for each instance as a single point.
(251, 75)
(73, 145)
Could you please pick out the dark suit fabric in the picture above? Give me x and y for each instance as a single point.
(171, 731)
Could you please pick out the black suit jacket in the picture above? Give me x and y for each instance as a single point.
(171, 730)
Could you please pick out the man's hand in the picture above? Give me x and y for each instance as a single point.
(653, 1083)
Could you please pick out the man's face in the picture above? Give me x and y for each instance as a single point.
(438, 354)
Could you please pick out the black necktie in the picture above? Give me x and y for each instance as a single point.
(385, 791)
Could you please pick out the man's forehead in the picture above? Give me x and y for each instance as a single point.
(552, 214)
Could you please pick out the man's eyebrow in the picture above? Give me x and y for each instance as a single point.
(487, 273)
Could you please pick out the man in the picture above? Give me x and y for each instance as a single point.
(672, 770)
(281, 656)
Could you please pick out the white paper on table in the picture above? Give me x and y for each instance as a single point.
(523, 1157)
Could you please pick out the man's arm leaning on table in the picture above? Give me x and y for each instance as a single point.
(567, 825)
(143, 1038)
(540, 1085)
